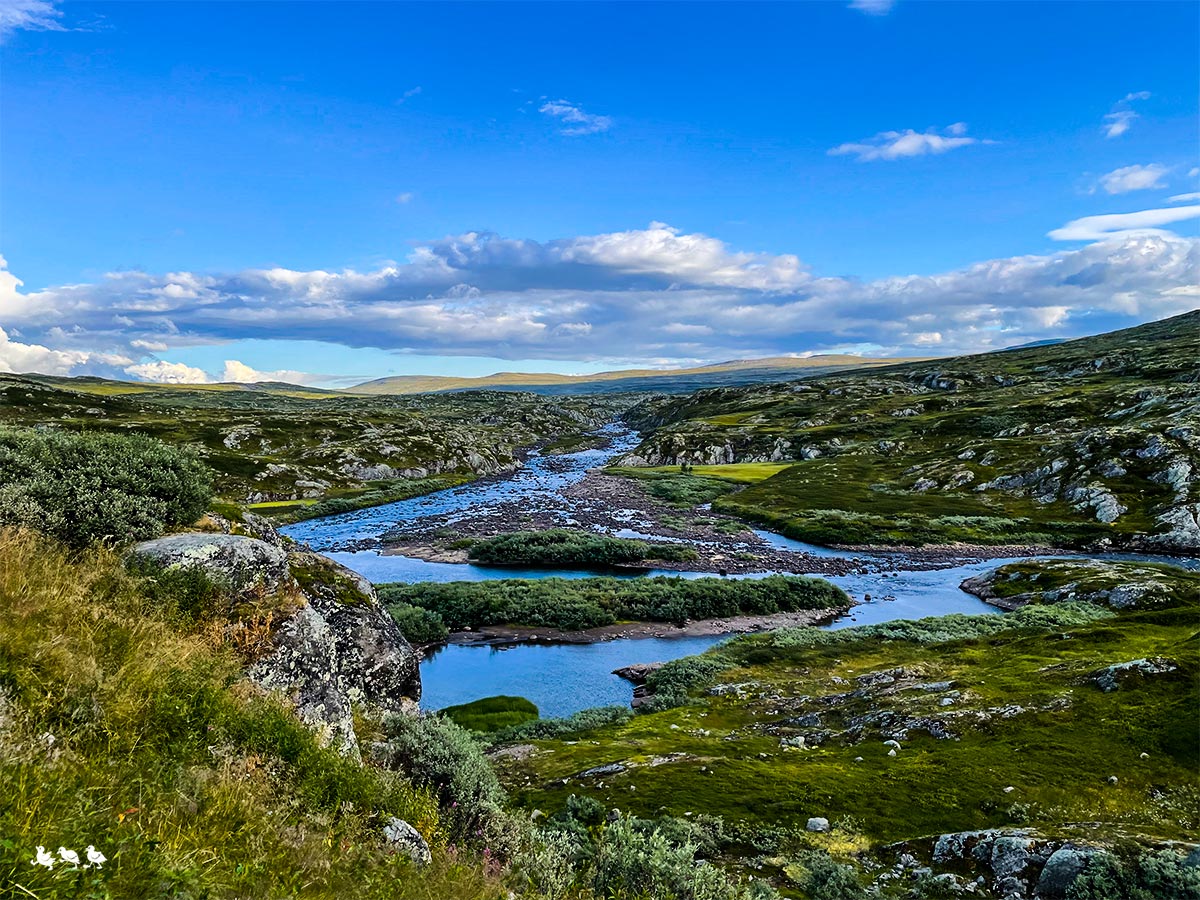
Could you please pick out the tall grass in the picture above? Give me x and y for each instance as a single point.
(122, 728)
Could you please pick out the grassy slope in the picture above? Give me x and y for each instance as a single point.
(899, 454)
(626, 379)
(191, 783)
(1051, 735)
(273, 444)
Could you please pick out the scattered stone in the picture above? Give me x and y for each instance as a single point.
(817, 823)
(407, 840)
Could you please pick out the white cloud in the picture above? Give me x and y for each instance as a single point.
(650, 294)
(21, 358)
(873, 7)
(573, 118)
(405, 197)
(169, 373)
(1133, 178)
(29, 15)
(409, 94)
(241, 373)
(1122, 115)
(1190, 197)
(900, 144)
(1116, 225)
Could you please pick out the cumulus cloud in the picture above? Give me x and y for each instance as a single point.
(901, 144)
(1117, 225)
(873, 7)
(1133, 178)
(169, 373)
(573, 119)
(1122, 115)
(649, 294)
(237, 371)
(28, 15)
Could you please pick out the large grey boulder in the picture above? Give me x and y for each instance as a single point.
(1061, 869)
(246, 565)
(376, 664)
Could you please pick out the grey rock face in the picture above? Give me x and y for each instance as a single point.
(1061, 870)
(1111, 678)
(376, 665)
(246, 565)
(303, 667)
(407, 840)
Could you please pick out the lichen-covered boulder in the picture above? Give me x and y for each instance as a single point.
(246, 565)
(376, 664)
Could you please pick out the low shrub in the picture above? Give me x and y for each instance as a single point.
(570, 604)
(420, 626)
(81, 488)
(567, 547)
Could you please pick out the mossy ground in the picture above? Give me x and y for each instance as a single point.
(1024, 715)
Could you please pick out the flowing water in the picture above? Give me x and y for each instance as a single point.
(565, 678)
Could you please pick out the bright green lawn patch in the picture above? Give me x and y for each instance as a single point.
(492, 713)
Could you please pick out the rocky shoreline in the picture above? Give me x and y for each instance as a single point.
(502, 635)
(620, 506)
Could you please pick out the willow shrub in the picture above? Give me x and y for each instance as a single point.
(86, 487)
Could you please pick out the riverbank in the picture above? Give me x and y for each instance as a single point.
(500, 635)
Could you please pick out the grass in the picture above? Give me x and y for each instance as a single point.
(743, 473)
(1024, 716)
(492, 713)
(126, 726)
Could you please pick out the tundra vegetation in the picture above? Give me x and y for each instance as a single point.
(131, 721)
(293, 452)
(1092, 441)
(571, 604)
(1069, 720)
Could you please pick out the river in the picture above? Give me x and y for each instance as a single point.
(565, 678)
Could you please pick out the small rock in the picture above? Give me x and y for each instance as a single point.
(817, 823)
(406, 839)
(1112, 779)
(892, 752)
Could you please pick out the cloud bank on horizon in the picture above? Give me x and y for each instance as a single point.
(650, 294)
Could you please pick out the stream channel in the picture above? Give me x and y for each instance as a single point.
(565, 678)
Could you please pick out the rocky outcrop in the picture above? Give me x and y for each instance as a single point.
(331, 644)
(403, 838)
(246, 566)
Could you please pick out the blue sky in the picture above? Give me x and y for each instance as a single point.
(349, 189)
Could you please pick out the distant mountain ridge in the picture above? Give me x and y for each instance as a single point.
(672, 381)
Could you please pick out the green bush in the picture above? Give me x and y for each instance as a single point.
(576, 603)
(566, 547)
(1155, 875)
(82, 488)
(492, 713)
(441, 756)
(420, 626)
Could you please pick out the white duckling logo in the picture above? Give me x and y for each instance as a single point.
(69, 856)
(44, 858)
(95, 857)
